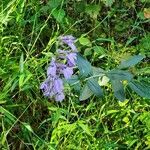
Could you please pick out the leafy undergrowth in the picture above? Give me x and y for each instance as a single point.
(107, 32)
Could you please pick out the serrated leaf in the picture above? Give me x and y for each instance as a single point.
(131, 61)
(59, 14)
(118, 90)
(119, 75)
(84, 66)
(95, 87)
(85, 93)
(141, 88)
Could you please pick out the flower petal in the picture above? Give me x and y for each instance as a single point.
(58, 86)
(51, 70)
(71, 59)
(68, 71)
(59, 97)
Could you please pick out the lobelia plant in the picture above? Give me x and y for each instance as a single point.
(62, 67)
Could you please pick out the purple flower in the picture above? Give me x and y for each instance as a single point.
(59, 97)
(64, 52)
(71, 59)
(69, 40)
(58, 86)
(46, 87)
(68, 71)
(72, 46)
(60, 67)
(53, 87)
(51, 70)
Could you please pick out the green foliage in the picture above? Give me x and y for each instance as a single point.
(85, 41)
(94, 87)
(131, 61)
(141, 88)
(116, 74)
(93, 10)
(84, 66)
(118, 89)
(58, 14)
(85, 93)
(108, 32)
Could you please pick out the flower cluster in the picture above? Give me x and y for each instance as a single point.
(61, 66)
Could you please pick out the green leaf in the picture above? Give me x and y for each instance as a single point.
(108, 3)
(7, 114)
(119, 75)
(85, 127)
(118, 90)
(21, 63)
(95, 87)
(84, 66)
(74, 82)
(141, 88)
(21, 80)
(98, 71)
(59, 14)
(27, 126)
(93, 10)
(145, 1)
(145, 70)
(85, 93)
(85, 41)
(131, 61)
(130, 40)
(54, 3)
(99, 50)
(88, 52)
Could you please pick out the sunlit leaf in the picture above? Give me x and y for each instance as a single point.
(147, 13)
(27, 126)
(85, 127)
(84, 41)
(59, 14)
